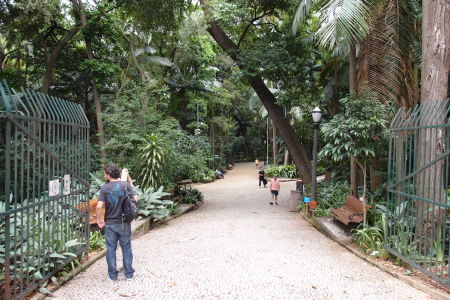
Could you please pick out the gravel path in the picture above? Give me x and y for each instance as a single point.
(237, 246)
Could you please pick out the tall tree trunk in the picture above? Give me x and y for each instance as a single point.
(375, 178)
(298, 151)
(286, 157)
(144, 77)
(274, 145)
(334, 107)
(353, 76)
(286, 153)
(98, 105)
(352, 66)
(52, 57)
(435, 68)
(435, 50)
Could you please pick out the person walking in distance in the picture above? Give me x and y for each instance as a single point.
(112, 195)
(274, 189)
(261, 174)
(257, 163)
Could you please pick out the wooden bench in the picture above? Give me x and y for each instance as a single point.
(184, 184)
(351, 212)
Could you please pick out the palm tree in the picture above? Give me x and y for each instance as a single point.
(343, 23)
(384, 32)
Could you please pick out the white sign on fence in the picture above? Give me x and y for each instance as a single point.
(53, 188)
(66, 189)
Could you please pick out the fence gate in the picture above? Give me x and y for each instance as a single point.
(44, 162)
(417, 227)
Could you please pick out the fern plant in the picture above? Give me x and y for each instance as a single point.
(153, 155)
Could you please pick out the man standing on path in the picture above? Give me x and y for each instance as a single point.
(112, 195)
(261, 174)
(274, 189)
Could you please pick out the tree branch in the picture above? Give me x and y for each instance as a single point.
(270, 24)
(250, 24)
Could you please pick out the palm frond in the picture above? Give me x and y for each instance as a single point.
(145, 50)
(160, 60)
(387, 56)
(301, 13)
(343, 21)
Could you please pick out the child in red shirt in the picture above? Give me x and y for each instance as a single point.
(274, 189)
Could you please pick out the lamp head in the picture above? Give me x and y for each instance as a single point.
(316, 114)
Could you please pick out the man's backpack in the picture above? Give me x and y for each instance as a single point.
(129, 209)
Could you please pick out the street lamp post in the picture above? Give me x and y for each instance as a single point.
(316, 115)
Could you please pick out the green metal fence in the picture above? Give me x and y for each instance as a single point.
(417, 228)
(44, 164)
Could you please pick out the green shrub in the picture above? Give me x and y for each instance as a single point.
(173, 208)
(190, 196)
(284, 171)
(153, 154)
(329, 195)
(150, 203)
(207, 176)
(370, 239)
(40, 249)
(96, 241)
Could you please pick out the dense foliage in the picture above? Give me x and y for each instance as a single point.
(167, 102)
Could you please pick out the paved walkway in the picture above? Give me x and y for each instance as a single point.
(237, 246)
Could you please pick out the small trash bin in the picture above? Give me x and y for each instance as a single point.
(299, 185)
(294, 201)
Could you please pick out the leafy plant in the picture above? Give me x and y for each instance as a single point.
(369, 237)
(207, 176)
(329, 195)
(150, 203)
(153, 154)
(284, 171)
(96, 184)
(173, 208)
(36, 250)
(96, 241)
(190, 196)
(359, 131)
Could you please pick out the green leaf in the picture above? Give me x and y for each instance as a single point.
(72, 243)
(69, 254)
(57, 255)
(37, 276)
(44, 290)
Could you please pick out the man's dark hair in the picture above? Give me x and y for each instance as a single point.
(112, 170)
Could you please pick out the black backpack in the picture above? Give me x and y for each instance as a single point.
(129, 208)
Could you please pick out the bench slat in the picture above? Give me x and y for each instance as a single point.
(351, 212)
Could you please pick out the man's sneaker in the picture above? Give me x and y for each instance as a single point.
(112, 280)
(271, 203)
(130, 278)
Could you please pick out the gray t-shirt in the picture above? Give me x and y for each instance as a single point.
(113, 194)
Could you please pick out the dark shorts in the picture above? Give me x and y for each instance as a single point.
(274, 192)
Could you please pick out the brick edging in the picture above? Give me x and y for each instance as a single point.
(437, 294)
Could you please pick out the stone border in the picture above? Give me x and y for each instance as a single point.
(437, 294)
(142, 227)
